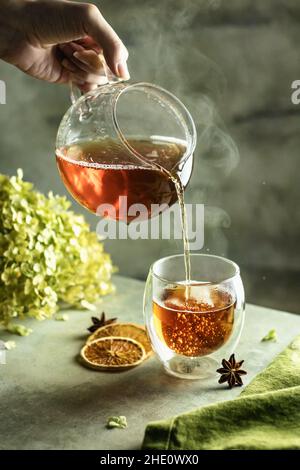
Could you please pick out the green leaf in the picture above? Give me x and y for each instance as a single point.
(116, 422)
(271, 336)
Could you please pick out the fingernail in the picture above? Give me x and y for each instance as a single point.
(123, 70)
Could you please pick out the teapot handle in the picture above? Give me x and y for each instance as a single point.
(76, 93)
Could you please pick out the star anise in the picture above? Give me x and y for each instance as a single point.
(231, 372)
(98, 322)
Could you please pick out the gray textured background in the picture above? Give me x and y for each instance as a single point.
(230, 62)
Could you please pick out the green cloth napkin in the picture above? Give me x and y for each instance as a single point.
(265, 416)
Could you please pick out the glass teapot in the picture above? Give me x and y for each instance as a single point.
(124, 145)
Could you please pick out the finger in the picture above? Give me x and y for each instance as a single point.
(79, 56)
(82, 77)
(75, 46)
(101, 35)
(68, 54)
(88, 43)
(86, 61)
(67, 64)
(83, 66)
(90, 59)
(114, 51)
(67, 49)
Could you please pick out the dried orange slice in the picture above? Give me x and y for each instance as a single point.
(113, 353)
(126, 330)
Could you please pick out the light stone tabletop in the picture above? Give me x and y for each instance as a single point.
(49, 401)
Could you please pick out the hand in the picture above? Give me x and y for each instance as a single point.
(59, 41)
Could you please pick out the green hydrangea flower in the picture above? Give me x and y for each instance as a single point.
(47, 254)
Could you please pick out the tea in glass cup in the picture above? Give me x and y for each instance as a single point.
(192, 327)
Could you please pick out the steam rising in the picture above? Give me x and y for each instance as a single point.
(179, 65)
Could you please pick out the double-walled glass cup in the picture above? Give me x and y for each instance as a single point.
(191, 328)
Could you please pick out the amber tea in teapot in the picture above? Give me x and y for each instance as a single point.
(94, 172)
